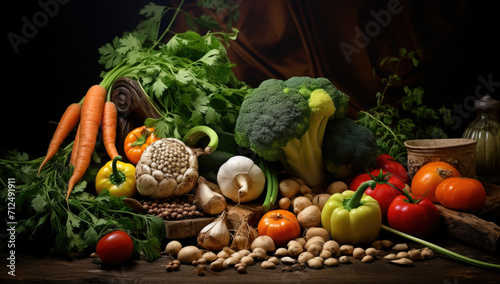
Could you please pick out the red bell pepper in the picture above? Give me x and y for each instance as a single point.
(388, 187)
(388, 164)
(416, 217)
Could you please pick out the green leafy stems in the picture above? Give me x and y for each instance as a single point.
(78, 225)
(188, 79)
(408, 118)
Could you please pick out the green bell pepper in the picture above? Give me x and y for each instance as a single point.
(352, 217)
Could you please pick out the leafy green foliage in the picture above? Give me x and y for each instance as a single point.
(46, 221)
(188, 79)
(409, 118)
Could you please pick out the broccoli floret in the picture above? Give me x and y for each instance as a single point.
(348, 148)
(285, 121)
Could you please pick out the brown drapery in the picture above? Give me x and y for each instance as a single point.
(345, 40)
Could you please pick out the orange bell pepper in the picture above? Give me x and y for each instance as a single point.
(136, 142)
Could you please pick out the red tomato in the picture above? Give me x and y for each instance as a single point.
(460, 193)
(384, 193)
(281, 225)
(419, 219)
(388, 164)
(429, 176)
(115, 248)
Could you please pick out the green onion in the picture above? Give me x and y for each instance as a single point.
(444, 251)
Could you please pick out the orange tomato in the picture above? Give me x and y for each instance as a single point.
(136, 142)
(429, 176)
(281, 225)
(460, 193)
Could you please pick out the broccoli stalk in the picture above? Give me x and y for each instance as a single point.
(285, 121)
(302, 156)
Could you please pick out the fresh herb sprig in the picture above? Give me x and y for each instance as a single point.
(189, 79)
(408, 118)
(46, 222)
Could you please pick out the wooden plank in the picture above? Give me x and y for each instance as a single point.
(188, 228)
(237, 213)
(471, 229)
(491, 208)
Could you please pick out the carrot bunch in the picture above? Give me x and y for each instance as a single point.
(93, 112)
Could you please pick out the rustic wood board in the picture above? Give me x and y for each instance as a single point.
(481, 230)
(181, 229)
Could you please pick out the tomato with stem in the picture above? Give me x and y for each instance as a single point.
(281, 225)
(429, 176)
(417, 217)
(387, 188)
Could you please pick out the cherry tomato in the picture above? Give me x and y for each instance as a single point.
(281, 225)
(420, 219)
(429, 176)
(388, 164)
(460, 193)
(115, 248)
(384, 193)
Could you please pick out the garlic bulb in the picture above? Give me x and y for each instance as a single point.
(207, 200)
(215, 236)
(240, 179)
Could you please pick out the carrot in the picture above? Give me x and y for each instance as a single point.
(68, 121)
(91, 115)
(72, 160)
(109, 123)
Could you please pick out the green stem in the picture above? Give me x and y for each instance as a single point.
(384, 126)
(267, 200)
(117, 177)
(158, 40)
(197, 132)
(355, 200)
(443, 250)
(274, 184)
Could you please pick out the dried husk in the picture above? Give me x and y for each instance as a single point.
(244, 237)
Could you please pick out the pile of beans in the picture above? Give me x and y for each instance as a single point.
(173, 209)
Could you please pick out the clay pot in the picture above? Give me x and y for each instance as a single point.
(460, 153)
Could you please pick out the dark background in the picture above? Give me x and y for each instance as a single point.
(277, 39)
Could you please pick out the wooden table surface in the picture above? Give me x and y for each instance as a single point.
(441, 270)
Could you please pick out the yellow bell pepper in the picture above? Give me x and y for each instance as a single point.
(352, 217)
(118, 177)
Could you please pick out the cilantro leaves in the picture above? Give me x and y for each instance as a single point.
(189, 79)
(45, 221)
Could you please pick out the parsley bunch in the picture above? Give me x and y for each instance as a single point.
(409, 118)
(189, 79)
(46, 221)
